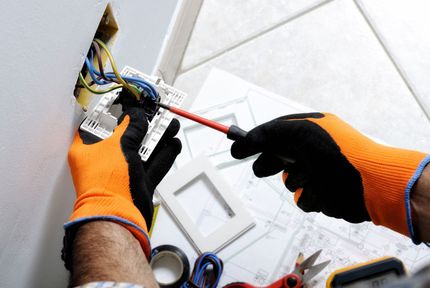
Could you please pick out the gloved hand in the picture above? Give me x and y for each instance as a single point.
(337, 170)
(111, 181)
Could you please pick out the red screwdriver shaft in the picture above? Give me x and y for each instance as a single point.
(233, 132)
(212, 124)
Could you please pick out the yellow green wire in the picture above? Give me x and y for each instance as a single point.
(132, 88)
(154, 218)
(136, 90)
(92, 90)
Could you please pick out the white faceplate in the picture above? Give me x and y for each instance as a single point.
(229, 227)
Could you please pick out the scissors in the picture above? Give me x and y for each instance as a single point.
(303, 272)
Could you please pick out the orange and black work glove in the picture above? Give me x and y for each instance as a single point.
(337, 170)
(111, 181)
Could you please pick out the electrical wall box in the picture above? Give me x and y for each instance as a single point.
(106, 32)
(101, 123)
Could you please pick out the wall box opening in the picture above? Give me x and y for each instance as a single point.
(106, 32)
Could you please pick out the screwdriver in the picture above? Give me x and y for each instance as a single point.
(233, 132)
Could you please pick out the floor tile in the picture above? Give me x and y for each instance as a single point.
(330, 60)
(404, 27)
(223, 23)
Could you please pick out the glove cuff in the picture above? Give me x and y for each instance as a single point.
(413, 234)
(387, 181)
(107, 206)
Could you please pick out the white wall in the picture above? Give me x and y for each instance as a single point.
(42, 45)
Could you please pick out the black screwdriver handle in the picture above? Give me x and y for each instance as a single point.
(236, 133)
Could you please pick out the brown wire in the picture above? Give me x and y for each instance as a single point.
(99, 60)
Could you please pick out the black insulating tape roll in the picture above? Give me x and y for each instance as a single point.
(169, 255)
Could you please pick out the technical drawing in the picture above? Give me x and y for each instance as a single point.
(268, 251)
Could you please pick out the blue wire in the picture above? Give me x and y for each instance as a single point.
(93, 70)
(92, 74)
(141, 83)
(202, 264)
(144, 85)
(219, 264)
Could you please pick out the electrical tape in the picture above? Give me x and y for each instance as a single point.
(168, 261)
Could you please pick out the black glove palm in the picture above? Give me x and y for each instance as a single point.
(144, 176)
(323, 177)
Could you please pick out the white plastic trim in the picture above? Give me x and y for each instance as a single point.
(239, 222)
(101, 123)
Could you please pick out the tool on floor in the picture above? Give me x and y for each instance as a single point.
(233, 132)
(303, 272)
(376, 273)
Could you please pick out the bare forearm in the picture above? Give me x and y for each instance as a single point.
(106, 251)
(420, 199)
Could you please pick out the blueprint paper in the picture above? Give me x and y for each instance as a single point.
(268, 251)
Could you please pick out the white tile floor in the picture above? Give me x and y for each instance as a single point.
(366, 60)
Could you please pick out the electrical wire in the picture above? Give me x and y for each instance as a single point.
(143, 84)
(112, 77)
(99, 59)
(104, 78)
(135, 91)
(92, 73)
(207, 272)
(92, 90)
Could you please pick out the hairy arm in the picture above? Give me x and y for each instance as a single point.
(420, 199)
(106, 251)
